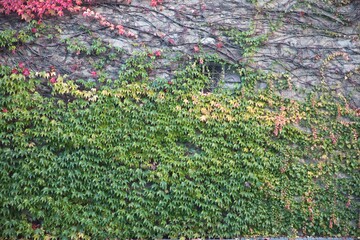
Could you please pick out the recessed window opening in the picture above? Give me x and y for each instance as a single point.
(221, 75)
(215, 72)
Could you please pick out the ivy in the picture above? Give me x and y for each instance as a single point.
(11, 39)
(248, 40)
(141, 158)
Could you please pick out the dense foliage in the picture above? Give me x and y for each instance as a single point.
(135, 158)
(146, 157)
(29, 9)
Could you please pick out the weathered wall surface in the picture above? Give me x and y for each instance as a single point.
(312, 41)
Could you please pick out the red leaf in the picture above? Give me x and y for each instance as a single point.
(157, 53)
(26, 72)
(171, 41)
(196, 48)
(53, 80)
(93, 73)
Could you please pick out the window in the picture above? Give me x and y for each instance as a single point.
(221, 75)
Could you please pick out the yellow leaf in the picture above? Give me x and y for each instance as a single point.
(26, 17)
(203, 118)
(51, 12)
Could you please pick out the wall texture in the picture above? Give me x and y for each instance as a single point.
(313, 41)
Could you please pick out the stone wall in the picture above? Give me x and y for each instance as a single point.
(314, 41)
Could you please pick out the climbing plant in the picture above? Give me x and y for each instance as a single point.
(134, 159)
(142, 156)
(29, 9)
